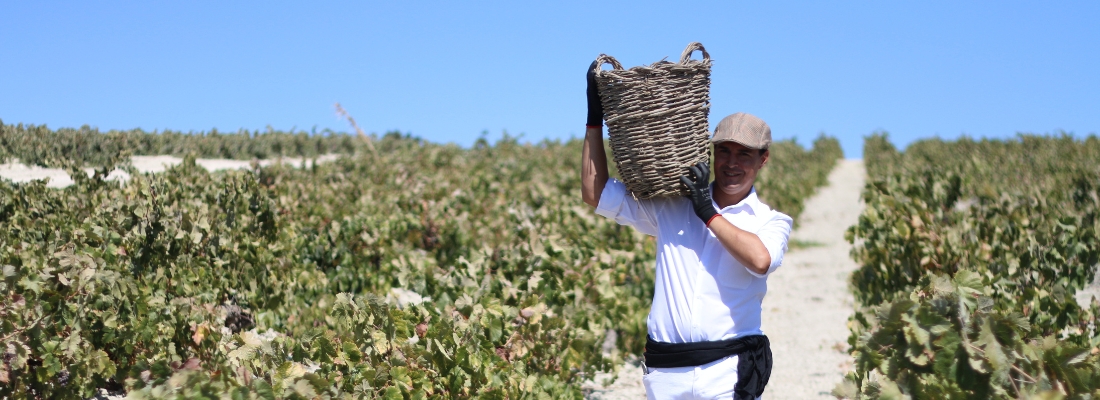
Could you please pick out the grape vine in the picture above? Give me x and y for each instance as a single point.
(970, 255)
(415, 270)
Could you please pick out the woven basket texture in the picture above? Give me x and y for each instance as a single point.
(656, 117)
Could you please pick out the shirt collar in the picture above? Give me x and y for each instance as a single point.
(751, 201)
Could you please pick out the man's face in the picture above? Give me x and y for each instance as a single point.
(735, 168)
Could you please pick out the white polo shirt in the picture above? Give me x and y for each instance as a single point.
(702, 292)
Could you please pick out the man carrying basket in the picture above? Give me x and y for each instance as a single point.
(715, 250)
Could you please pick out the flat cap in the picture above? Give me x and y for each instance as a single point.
(746, 129)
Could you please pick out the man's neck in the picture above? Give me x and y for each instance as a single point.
(725, 200)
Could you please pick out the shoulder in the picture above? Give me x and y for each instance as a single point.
(769, 215)
(661, 204)
(617, 200)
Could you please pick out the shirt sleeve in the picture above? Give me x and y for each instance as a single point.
(775, 234)
(618, 204)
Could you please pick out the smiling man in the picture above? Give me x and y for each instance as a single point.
(715, 250)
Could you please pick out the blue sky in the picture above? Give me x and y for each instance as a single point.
(448, 71)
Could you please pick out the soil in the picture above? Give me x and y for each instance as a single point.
(808, 303)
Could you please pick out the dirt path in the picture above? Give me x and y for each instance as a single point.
(807, 306)
(808, 303)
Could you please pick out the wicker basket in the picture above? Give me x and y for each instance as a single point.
(656, 117)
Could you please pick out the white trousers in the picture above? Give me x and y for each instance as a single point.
(708, 381)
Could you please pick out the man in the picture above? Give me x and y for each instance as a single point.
(715, 250)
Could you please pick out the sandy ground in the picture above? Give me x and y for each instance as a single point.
(808, 303)
(58, 178)
(1084, 297)
(807, 306)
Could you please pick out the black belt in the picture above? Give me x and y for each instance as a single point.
(754, 359)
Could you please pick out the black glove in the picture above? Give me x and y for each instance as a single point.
(595, 108)
(698, 184)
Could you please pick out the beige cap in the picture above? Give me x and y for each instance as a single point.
(743, 128)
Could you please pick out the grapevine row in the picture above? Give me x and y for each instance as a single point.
(279, 282)
(970, 254)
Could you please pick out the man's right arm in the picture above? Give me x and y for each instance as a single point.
(593, 157)
(624, 209)
(593, 166)
(598, 190)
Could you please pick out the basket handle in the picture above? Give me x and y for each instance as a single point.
(606, 59)
(686, 55)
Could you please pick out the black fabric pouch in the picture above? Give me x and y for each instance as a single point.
(754, 359)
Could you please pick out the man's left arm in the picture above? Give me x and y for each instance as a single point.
(744, 246)
(759, 252)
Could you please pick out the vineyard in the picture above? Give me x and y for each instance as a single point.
(62, 148)
(405, 269)
(970, 254)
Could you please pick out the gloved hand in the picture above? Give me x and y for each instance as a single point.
(698, 184)
(595, 108)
